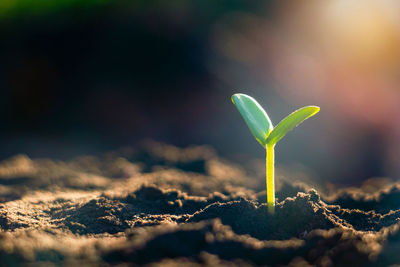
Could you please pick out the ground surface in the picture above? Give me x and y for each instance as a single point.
(162, 206)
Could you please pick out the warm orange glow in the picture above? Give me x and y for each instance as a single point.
(366, 33)
(344, 54)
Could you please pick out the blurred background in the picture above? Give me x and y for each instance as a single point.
(88, 76)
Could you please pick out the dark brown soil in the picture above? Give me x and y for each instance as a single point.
(163, 206)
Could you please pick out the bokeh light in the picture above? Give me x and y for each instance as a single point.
(87, 76)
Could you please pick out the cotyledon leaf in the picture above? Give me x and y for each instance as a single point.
(290, 122)
(255, 117)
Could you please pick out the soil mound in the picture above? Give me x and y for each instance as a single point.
(164, 206)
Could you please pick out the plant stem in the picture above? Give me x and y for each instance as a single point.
(270, 178)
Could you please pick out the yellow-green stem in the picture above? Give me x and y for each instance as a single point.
(270, 178)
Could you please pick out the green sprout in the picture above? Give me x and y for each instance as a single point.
(264, 132)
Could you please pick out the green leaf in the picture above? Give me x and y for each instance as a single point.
(290, 122)
(254, 115)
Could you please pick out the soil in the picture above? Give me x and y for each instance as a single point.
(159, 205)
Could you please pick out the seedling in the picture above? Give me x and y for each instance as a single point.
(264, 132)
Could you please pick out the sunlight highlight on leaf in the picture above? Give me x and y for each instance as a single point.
(290, 122)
